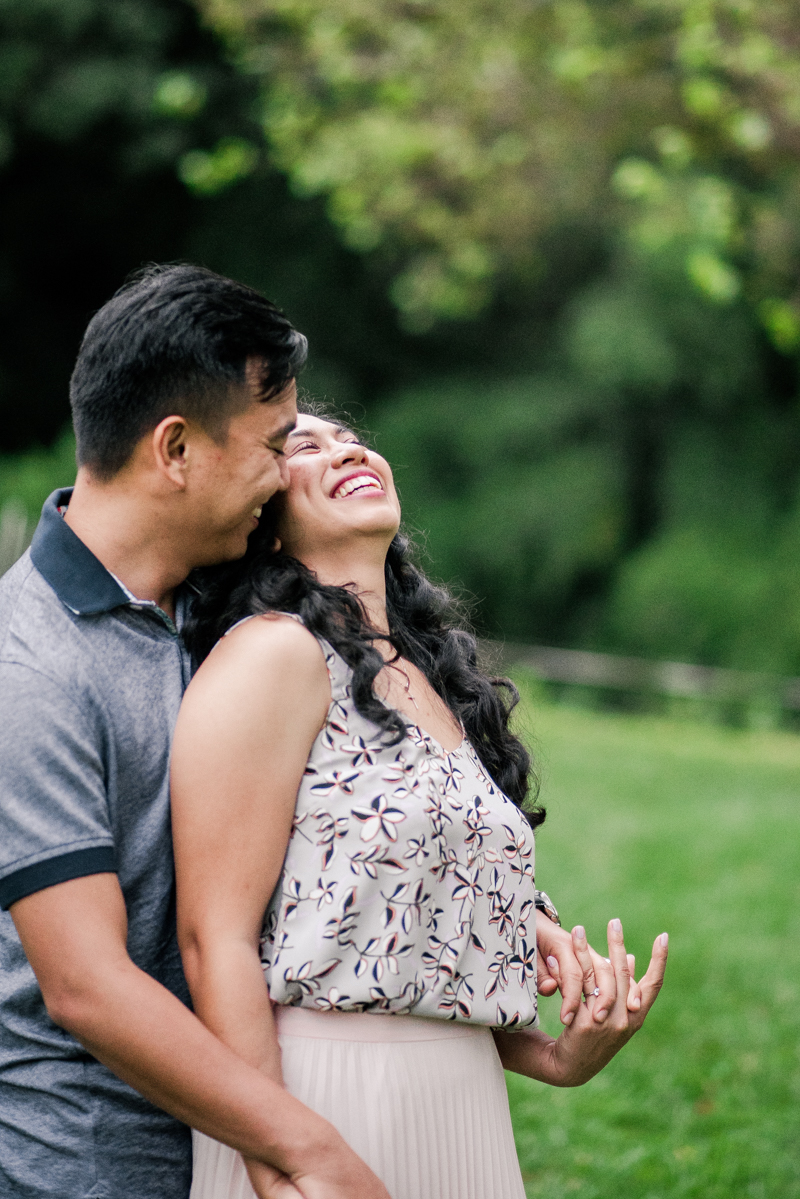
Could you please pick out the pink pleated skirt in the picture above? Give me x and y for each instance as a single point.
(423, 1102)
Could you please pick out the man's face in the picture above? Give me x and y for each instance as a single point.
(232, 479)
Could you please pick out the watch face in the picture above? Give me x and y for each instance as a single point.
(546, 905)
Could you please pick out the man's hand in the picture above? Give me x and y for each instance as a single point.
(327, 1182)
(75, 937)
(269, 1183)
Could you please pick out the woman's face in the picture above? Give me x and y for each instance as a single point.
(339, 492)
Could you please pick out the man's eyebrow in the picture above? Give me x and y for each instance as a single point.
(284, 431)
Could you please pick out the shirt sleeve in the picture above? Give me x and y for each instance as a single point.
(54, 818)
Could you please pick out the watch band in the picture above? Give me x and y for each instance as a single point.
(545, 904)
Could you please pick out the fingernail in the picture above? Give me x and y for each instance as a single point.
(601, 1015)
(570, 1016)
(552, 963)
(580, 932)
(636, 1003)
(616, 925)
(607, 961)
(664, 940)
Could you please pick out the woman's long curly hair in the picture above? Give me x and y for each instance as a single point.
(426, 627)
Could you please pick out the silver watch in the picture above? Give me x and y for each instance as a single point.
(545, 904)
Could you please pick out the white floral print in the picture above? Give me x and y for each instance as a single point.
(408, 881)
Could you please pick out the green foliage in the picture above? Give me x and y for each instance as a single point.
(591, 208)
(69, 67)
(640, 494)
(702, 595)
(28, 479)
(102, 102)
(691, 830)
(511, 499)
(450, 139)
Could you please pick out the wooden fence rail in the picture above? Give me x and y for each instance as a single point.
(638, 675)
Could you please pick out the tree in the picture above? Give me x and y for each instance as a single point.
(449, 134)
(104, 106)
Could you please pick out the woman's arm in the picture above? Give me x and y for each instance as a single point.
(242, 740)
(586, 1046)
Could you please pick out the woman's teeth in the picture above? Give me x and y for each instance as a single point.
(355, 484)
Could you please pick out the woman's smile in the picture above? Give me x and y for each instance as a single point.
(361, 482)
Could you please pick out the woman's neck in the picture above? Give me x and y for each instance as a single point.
(363, 573)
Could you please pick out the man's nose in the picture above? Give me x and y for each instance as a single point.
(283, 471)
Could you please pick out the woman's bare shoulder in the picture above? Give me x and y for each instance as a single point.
(270, 648)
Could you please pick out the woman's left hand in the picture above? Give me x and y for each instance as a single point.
(586, 1045)
(567, 963)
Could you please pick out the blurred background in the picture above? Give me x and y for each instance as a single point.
(549, 252)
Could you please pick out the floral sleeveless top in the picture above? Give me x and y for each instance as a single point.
(408, 882)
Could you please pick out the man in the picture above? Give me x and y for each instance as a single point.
(182, 397)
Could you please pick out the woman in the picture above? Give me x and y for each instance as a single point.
(340, 763)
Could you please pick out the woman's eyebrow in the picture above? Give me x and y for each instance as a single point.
(338, 431)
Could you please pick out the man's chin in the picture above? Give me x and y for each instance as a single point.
(227, 551)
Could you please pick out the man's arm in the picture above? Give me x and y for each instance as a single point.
(74, 935)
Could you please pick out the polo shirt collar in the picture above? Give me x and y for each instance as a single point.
(79, 579)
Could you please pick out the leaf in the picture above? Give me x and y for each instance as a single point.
(392, 865)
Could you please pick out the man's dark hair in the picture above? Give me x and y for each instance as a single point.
(173, 338)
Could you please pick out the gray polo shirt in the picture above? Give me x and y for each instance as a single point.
(90, 684)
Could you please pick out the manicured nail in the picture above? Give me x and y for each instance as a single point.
(601, 1015)
(664, 940)
(552, 963)
(607, 961)
(570, 1016)
(616, 925)
(580, 932)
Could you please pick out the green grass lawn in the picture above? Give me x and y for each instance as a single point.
(696, 830)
